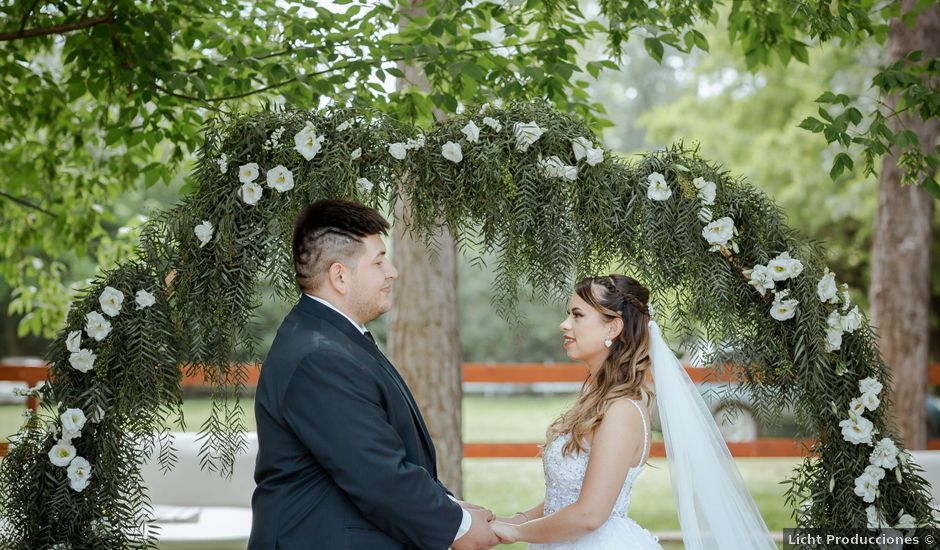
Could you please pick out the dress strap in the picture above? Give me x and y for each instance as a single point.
(646, 434)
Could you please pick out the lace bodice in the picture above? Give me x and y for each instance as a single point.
(565, 474)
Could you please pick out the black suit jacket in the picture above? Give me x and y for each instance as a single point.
(344, 458)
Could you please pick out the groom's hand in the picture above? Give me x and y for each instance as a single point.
(490, 516)
(480, 536)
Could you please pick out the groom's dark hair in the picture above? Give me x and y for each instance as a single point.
(330, 231)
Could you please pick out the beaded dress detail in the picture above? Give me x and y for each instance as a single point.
(564, 476)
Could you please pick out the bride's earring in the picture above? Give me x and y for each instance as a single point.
(608, 342)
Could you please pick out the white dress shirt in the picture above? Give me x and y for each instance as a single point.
(467, 519)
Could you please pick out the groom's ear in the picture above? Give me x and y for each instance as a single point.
(338, 278)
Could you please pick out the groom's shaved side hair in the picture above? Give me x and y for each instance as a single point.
(330, 231)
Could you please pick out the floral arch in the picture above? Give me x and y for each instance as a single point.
(526, 182)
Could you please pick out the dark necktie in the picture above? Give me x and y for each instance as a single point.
(368, 335)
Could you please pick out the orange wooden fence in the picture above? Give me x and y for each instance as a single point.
(518, 373)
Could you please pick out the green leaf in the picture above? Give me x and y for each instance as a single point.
(930, 185)
(813, 124)
(654, 48)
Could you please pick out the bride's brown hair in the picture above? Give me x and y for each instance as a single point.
(626, 366)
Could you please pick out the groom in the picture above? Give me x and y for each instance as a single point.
(344, 457)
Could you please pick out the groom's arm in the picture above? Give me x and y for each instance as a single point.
(335, 408)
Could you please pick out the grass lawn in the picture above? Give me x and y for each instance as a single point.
(509, 485)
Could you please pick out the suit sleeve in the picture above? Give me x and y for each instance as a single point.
(336, 410)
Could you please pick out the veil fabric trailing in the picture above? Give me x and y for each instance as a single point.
(716, 512)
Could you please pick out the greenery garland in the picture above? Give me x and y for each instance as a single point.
(525, 182)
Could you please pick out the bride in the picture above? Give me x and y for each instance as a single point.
(597, 449)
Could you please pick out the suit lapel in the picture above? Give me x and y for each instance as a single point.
(352, 333)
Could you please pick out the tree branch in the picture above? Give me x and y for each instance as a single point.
(58, 29)
(26, 203)
(324, 71)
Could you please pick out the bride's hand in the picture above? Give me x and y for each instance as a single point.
(506, 532)
(514, 519)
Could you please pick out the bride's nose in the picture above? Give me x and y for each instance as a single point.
(564, 326)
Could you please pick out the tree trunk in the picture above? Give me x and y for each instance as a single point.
(424, 340)
(900, 286)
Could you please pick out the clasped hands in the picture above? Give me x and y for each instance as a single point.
(487, 530)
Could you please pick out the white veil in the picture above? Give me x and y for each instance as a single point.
(716, 512)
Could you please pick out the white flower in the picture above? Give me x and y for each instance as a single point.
(552, 166)
(452, 152)
(870, 401)
(144, 299)
(416, 143)
(857, 430)
(248, 173)
(357, 152)
(866, 487)
(111, 300)
(761, 279)
(784, 267)
(97, 326)
(280, 179)
(876, 472)
(581, 146)
(594, 156)
(79, 473)
(364, 184)
(856, 407)
(73, 420)
(875, 518)
(250, 193)
(74, 341)
(569, 173)
(82, 360)
(69, 435)
(905, 520)
(719, 232)
(97, 415)
(870, 385)
(61, 454)
(492, 122)
(852, 320)
(472, 131)
(204, 232)
(306, 142)
(783, 310)
(398, 150)
(706, 190)
(658, 189)
(705, 215)
(526, 134)
(833, 339)
(834, 321)
(885, 454)
(223, 163)
(826, 289)
(847, 299)
(344, 126)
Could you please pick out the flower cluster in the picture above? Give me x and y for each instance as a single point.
(63, 453)
(97, 328)
(848, 320)
(857, 429)
(706, 194)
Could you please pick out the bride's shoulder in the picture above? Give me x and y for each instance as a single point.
(625, 410)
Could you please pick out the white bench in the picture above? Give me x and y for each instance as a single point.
(930, 462)
(199, 509)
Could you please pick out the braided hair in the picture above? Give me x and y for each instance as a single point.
(627, 365)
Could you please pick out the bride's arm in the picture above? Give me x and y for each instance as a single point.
(617, 445)
(527, 515)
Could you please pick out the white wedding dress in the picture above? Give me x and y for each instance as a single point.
(564, 476)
